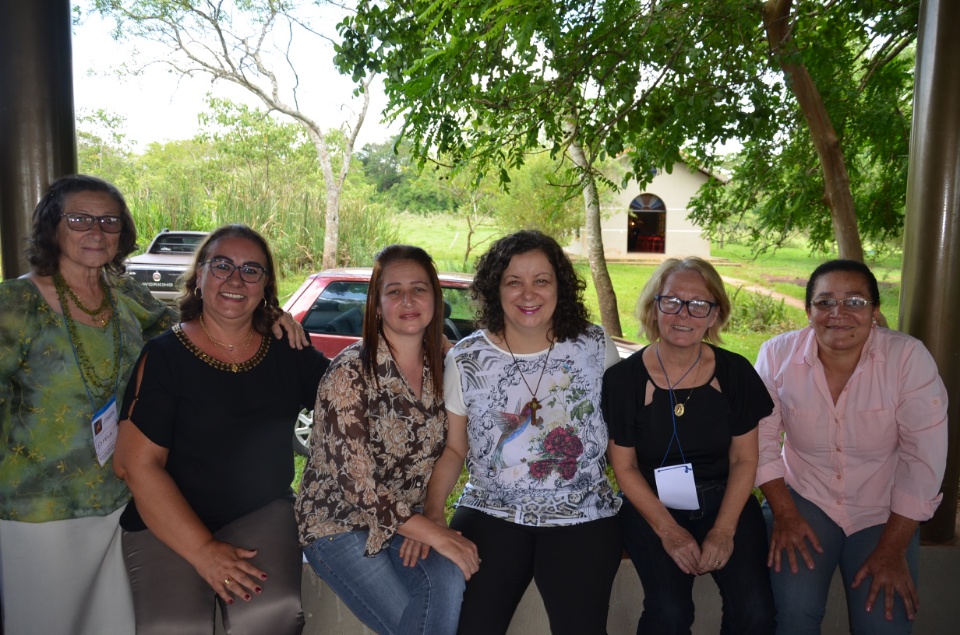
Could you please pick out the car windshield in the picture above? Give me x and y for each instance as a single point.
(176, 244)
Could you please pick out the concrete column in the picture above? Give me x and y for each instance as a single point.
(37, 128)
(930, 289)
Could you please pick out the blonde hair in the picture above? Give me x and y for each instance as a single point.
(647, 303)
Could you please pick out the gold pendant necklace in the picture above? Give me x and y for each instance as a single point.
(228, 349)
(680, 408)
(534, 404)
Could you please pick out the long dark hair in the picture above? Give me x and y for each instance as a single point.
(43, 246)
(372, 328)
(570, 318)
(191, 306)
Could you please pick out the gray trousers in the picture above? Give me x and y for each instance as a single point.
(169, 596)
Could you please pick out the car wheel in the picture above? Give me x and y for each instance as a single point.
(301, 432)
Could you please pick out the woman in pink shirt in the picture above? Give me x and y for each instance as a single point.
(864, 414)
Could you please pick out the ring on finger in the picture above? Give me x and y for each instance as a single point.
(227, 582)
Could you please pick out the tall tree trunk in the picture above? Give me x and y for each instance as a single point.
(606, 296)
(836, 180)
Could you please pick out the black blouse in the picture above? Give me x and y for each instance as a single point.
(710, 421)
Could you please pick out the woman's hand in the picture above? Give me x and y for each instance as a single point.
(295, 334)
(460, 551)
(682, 548)
(411, 551)
(226, 570)
(888, 567)
(715, 551)
(790, 530)
(890, 573)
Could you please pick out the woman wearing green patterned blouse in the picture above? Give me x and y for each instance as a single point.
(70, 331)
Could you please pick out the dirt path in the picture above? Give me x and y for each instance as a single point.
(788, 300)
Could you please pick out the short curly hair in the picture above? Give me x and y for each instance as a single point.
(266, 313)
(647, 304)
(43, 244)
(567, 324)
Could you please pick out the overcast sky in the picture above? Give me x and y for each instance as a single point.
(159, 106)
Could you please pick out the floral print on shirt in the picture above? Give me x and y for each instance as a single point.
(373, 449)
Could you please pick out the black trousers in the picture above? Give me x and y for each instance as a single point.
(573, 567)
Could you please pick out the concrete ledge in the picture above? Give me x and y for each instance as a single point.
(939, 597)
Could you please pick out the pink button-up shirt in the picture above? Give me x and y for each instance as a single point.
(881, 448)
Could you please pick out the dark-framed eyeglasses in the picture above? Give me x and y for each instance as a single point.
(854, 303)
(80, 222)
(223, 269)
(672, 305)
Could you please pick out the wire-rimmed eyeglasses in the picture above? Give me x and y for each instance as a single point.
(853, 303)
(79, 222)
(696, 308)
(223, 269)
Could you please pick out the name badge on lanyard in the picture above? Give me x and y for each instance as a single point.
(676, 487)
(104, 427)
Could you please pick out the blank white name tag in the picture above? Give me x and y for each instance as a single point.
(676, 487)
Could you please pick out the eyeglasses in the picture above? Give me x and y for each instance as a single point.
(853, 303)
(696, 308)
(83, 222)
(223, 269)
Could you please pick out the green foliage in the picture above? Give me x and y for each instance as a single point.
(243, 167)
(758, 313)
(658, 82)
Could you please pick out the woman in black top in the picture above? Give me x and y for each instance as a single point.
(205, 450)
(683, 420)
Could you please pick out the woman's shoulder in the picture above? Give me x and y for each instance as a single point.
(472, 341)
(897, 344)
(734, 361)
(628, 367)
(348, 358)
(22, 304)
(19, 291)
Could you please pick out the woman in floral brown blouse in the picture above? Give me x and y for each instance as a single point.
(380, 425)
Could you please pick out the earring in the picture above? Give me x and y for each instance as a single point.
(197, 293)
(264, 301)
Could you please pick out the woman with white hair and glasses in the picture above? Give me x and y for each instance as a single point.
(683, 417)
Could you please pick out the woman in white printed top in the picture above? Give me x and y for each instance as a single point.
(522, 397)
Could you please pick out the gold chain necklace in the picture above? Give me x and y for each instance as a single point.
(680, 408)
(534, 404)
(94, 313)
(102, 386)
(228, 349)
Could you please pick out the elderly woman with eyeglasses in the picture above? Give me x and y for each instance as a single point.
(861, 414)
(70, 332)
(204, 445)
(683, 417)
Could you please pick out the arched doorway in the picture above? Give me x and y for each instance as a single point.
(646, 225)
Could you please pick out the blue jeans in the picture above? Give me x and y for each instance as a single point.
(385, 595)
(744, 585)
(801, 598)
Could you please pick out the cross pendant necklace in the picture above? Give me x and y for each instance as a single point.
(534, 404)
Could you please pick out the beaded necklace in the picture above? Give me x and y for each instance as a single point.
(101, 386)
(94, 313)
